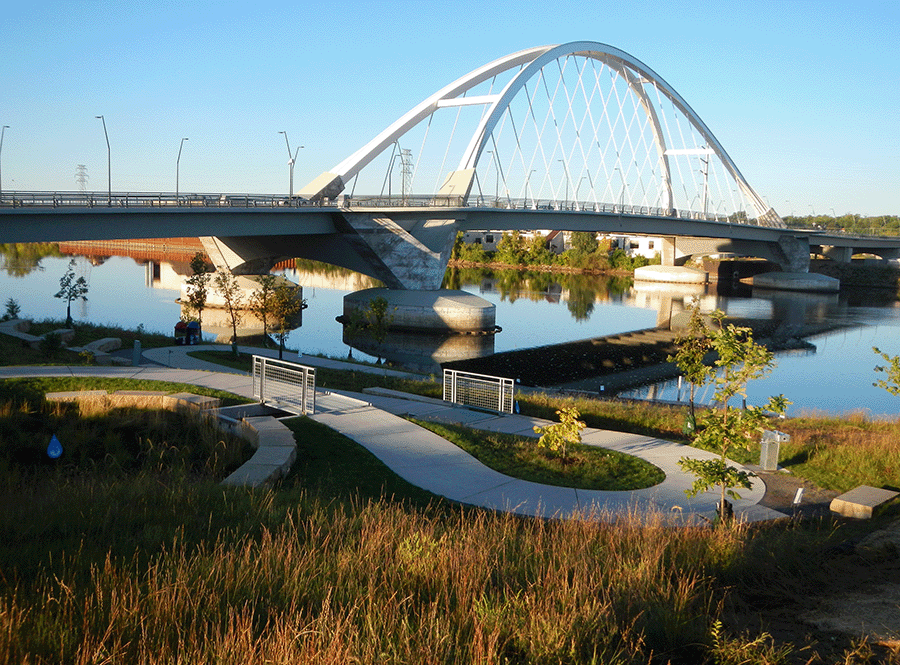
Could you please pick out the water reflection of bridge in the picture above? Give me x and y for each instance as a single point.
(171, 250)
(782, 321)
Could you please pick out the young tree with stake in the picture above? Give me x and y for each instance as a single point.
(285, 305)
(198, 287)
(227, 287)
(725, 428)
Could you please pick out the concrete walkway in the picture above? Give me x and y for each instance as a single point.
(374, 420)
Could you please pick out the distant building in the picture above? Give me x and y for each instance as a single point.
(556, 240)
(559, 241)
(645, 246)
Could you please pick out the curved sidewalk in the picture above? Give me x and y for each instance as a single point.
(374, 420)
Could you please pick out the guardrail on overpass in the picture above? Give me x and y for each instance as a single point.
(46, 200)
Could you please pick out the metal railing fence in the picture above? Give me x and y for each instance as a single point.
(95, 199)
(479, 390)
(285, 385)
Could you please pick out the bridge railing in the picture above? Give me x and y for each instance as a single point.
(17, 199)
(145, 200)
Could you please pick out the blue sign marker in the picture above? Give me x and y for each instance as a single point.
(54, 449)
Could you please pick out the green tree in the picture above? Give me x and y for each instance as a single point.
(726, 428)
(226, 286)
(538, 252)
(583, 242)
(71, 289)
(198, 286)
(285, 306)
(261, 301)
(892, 384)
(473, 252)
(22, 258)
(511, 249)
(557, 437)
(693, 347)
(12, 309)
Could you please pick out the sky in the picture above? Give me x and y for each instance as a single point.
(803, 95)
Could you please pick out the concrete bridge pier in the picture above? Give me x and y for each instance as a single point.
(410, 254)
(838, 254)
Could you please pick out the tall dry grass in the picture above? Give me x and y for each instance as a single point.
(843, 453)
(382, 584)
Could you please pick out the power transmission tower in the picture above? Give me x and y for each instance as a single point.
(81, 177)
(406, 171)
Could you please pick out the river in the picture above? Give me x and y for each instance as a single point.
(834, 374)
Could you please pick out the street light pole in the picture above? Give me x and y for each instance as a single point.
(2, 132)
(108, 161)
(177, 168)
(496, 178)
(529, 191)
(291, 162)
(566, 169)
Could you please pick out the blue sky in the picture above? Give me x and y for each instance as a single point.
(804, 96)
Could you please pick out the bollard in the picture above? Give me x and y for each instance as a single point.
(136, 353)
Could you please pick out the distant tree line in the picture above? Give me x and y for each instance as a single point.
(882, 225)
(586, 253)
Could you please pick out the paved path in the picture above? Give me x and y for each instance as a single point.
(375, 421)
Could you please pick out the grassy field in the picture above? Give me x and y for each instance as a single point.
(345, 562)
(105, 561)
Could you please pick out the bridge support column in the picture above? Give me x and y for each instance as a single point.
(242, 256)
(667, 251)
(795, 253)
(413, 256)
(838, 254)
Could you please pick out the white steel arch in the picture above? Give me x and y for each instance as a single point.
(530, 64)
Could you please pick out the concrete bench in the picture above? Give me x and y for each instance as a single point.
(190, 402)
(104, 345)
(275, 453)
(76, 395)
(19, 328)
(861, 501)
(142, 399)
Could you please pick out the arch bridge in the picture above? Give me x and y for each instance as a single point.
(577, 137)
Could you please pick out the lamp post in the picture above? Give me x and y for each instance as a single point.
(578, 187)
(566, 169)
(529, 191)
(177, 168)
(622, 193)
(108, 161)
(291, 161)
(496, 178)
(2, 132)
